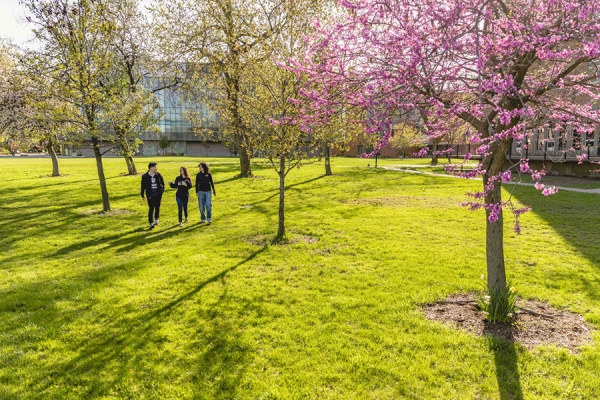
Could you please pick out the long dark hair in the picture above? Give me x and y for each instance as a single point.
(205, 168)
(186, 174)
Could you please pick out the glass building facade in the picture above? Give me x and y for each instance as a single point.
(175, 125)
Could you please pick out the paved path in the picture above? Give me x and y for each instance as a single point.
(403, 169)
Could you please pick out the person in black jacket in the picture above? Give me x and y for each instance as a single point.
(204, 183)
(153, 186)
(183, 184)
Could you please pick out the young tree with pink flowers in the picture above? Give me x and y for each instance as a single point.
(502, 66)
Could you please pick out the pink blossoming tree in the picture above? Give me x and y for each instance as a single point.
(501, 66)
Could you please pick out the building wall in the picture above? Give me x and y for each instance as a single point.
(86, 150)
(207, 149)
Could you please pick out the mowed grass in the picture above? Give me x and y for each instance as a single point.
(97, 306)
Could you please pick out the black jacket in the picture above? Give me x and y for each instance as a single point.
(183, 186)
(147, 184)
(204, 183)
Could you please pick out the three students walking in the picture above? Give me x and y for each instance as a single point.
(153, 187)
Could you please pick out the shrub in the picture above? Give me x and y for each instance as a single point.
(498, 305)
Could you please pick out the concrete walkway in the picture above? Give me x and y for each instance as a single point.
(401, 168)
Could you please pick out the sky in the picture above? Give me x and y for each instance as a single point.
(11, 26)
(10, 12)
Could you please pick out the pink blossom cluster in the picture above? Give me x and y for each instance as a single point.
(494, 210)
(421, 153)
(548, 191)
(581, 158)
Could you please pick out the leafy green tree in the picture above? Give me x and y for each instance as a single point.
(345, 126)
(273, 133)
(76, 58)
(406, 136)
(163, 143)
(11, 100)
(269, 109)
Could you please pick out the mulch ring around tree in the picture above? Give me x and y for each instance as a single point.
(550, 327)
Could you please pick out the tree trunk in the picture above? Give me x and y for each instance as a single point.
(494, 243)
(434, 156)
(233, 90)
(327, 160)
(127, 154)
(99, 166)
(126, 149)
(281, 228)
(52, 152)
(494, 235)
(245, 167)
(132, 167)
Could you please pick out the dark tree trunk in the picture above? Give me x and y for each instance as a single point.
(281, 228)
(52, 152)
(494, 236)
(131, 169)
(128, 155)
(100, 167)
(327, 160)
(494, 243)
(239, 139)
(434, 156)
(245, 166)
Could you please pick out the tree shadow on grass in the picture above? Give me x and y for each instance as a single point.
(18, 224)
(507, 369)
(134, 349)
(575, 217)
(11, 192)
(131, 239)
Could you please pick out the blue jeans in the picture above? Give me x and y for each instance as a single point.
(204, 202)
(182, 205)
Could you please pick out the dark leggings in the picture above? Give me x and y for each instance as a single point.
(182, 205)
(153, 208)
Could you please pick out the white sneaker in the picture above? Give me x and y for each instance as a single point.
(210, 221)
(156, 222)
(181, 224)
(185, 220)
(151, 226)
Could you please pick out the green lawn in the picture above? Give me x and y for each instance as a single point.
(96, 306)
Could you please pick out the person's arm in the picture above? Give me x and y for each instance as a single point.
(188, 183)
(212, 184)
(161, 182)
(143, 187)
(197, 184)
(174, 184)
